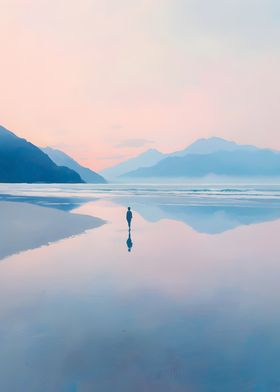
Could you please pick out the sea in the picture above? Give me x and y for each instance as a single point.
(187, 300)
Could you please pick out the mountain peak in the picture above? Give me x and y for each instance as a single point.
(216, 138)
(150, 152)
(147, 158)
(211, 145)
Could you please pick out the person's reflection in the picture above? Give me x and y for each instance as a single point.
(129, 242)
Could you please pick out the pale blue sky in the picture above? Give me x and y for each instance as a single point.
(167, 71)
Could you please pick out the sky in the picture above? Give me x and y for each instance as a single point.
(106, 80)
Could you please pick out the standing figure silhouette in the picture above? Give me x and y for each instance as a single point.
(129, 217)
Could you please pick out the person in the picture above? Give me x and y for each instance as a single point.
(129, 217)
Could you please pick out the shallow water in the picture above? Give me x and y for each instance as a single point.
(192, 307)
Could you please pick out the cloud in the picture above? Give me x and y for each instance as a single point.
(116, 126)
(134, 143)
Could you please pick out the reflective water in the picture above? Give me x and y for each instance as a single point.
(192, 307)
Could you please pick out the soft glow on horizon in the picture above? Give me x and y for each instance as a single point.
(104, 80)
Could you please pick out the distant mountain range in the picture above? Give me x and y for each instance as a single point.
(213, 156)
(222, 163)
(62, 159)
(211, 145)
(23, 162)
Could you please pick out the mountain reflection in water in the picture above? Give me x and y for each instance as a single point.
(205, 218)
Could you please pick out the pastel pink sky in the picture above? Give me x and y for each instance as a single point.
(106, 79)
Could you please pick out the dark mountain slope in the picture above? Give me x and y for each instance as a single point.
(23, 162)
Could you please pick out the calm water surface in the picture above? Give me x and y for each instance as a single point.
(193, 307)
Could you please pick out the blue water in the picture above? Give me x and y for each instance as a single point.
(192, 307)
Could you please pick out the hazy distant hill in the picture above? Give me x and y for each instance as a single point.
(22, 162)
(62, 159)
(152, 157)
(221, 163)
(211, 145)
(148, 158)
